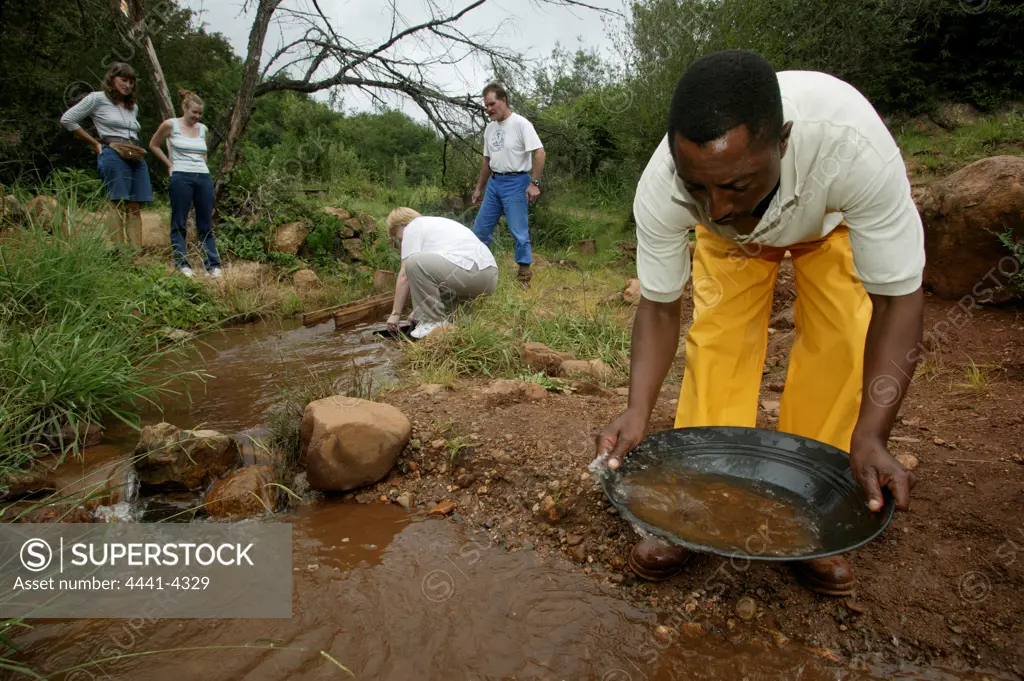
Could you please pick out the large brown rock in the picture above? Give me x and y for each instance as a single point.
(169, 458)
(289, 237)
(960, 214)
(593, 368)
(349, 442)
(244, 493)
(539, 357)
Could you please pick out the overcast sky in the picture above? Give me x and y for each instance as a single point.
(523, 25)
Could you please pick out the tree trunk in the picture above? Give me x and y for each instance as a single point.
(242, 107)
(139, 32)
(156, 74)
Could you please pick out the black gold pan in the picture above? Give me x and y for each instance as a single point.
(816, 474)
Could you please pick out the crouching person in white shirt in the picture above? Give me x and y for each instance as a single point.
(442, 262)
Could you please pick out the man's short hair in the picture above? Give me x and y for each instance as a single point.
(724, 90)
(498, 89)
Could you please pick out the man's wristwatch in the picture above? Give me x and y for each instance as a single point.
(536, 182)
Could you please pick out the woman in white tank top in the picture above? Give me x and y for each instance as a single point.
(191, 185)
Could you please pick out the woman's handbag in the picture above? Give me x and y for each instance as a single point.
(127, 151)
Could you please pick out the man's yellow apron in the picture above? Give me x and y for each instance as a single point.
(726, 344)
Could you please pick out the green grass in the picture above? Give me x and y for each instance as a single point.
(563, 310)
(79, 323)
(939, 153)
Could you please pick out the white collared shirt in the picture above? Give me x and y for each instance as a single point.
(841, 165)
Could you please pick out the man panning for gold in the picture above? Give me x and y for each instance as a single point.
(758, 163)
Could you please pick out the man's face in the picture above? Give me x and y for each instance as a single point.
(729, 177)
(496, 108)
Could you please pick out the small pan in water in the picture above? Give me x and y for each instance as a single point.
(813, 474)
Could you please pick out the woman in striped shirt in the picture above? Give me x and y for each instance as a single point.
(190, 182)
(115, 114)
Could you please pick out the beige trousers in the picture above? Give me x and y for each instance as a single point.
(437, 283)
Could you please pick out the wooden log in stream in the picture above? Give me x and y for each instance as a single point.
(364, 309)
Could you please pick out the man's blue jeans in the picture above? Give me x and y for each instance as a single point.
(506, 194)
(187, 190)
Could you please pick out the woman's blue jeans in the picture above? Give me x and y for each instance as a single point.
(187, 190)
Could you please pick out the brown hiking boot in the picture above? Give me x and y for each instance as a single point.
(832, 576)
(656, 560)
(525, 275)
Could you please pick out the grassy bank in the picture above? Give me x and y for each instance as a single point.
(567, 308)
(932, 153)
(78, 341)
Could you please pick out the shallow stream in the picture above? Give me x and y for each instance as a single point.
(392, 595)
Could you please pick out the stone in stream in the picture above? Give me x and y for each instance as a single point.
(100, 476)
(168, 458)
(349, 442)
(244, 493)
(539, 357)
(171, 507)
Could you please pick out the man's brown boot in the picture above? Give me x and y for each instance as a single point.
(525, 275)
(832, 576)
(656, 560)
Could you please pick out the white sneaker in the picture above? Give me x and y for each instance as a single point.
(187, 271)
(423, 330)
(215, 273)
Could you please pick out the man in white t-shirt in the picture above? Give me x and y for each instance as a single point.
(513, 160)
(442, 260)
(759, 163)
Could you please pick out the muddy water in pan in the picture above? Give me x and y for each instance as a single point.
(396, 597)
(715, 511)
(252, 366)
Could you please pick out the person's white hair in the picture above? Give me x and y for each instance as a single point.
(400, 217)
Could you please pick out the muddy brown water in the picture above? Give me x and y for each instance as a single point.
(391, 594)
(713, 511)
(252, 367)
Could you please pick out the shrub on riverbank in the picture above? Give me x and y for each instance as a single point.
(76, 341)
